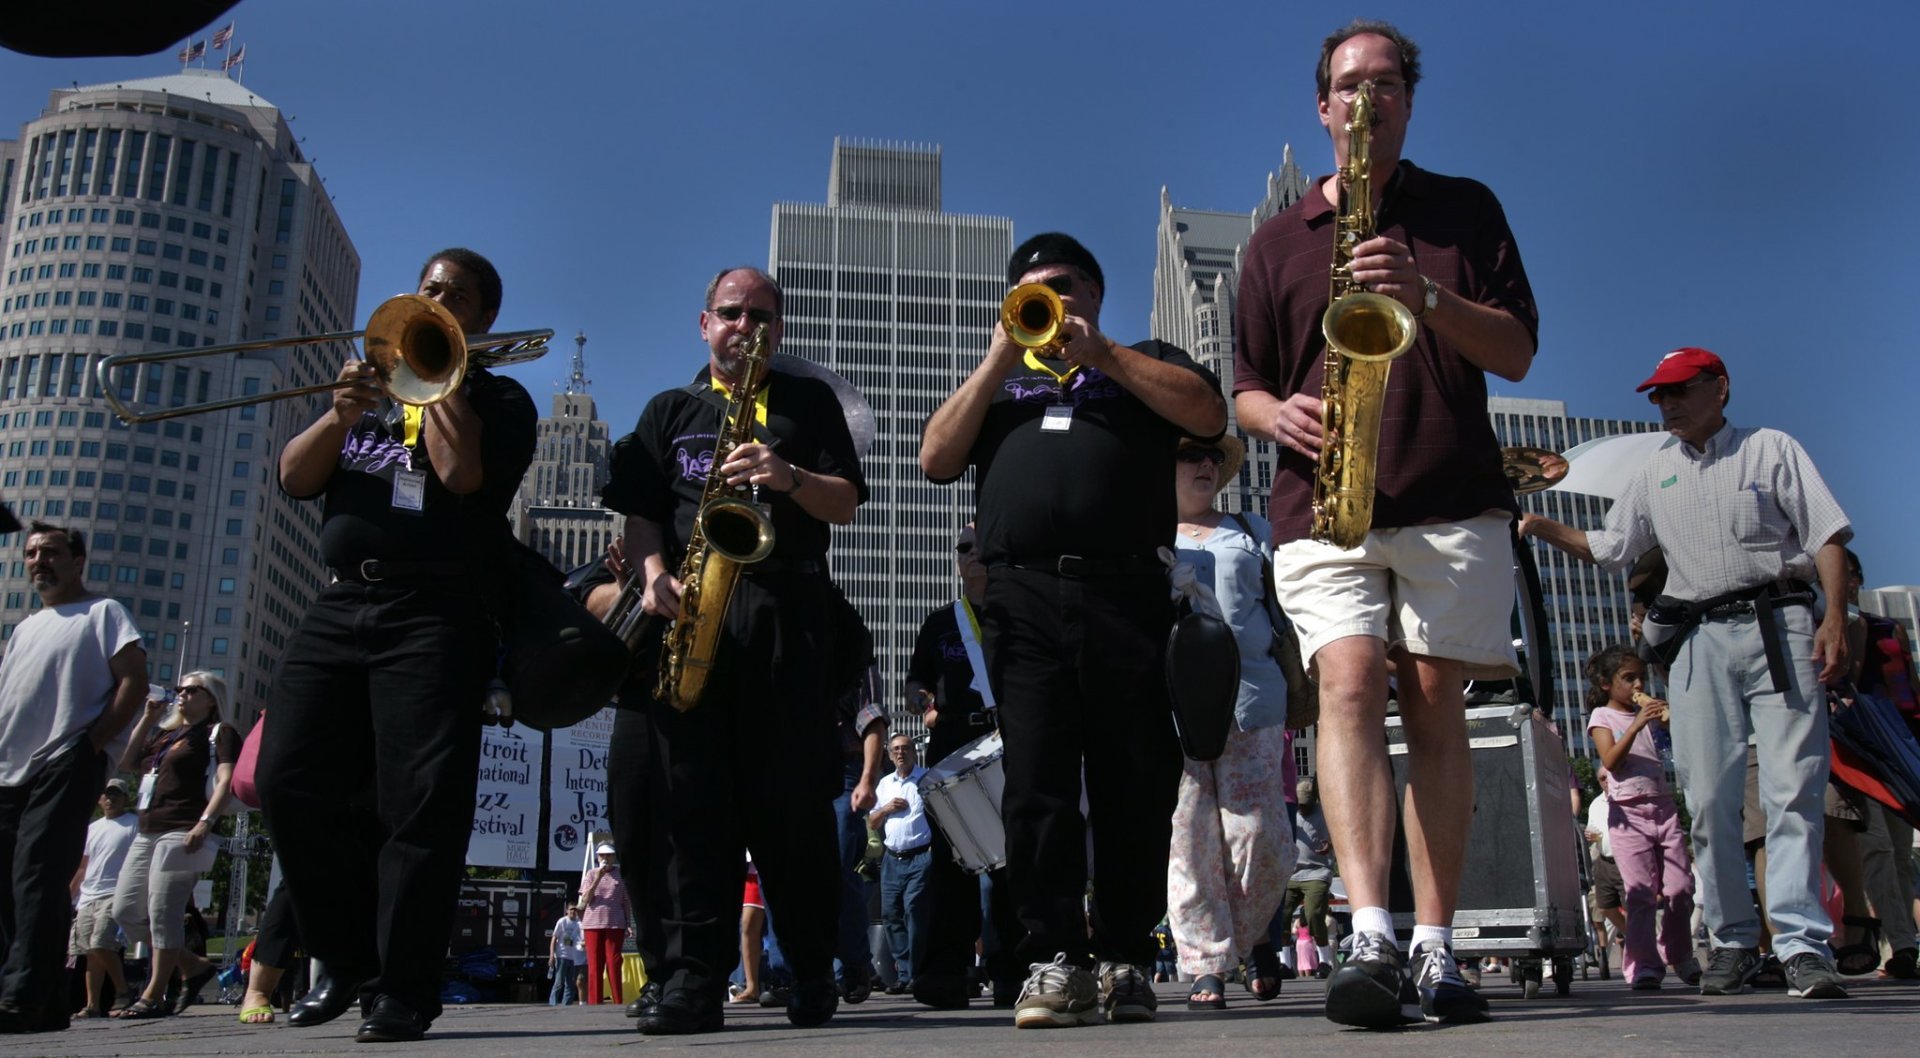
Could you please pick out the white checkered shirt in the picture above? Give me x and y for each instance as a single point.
(1748, 510)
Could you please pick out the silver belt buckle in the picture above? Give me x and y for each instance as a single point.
(370, 570)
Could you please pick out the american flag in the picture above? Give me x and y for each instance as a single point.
(193, 51)
(239, 56)
(223, 37)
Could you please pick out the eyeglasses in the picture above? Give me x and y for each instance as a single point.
(1674, 389)
(1062, 284)
(1385, 89)
(731, 313)
(1201, 455)
(182, 692)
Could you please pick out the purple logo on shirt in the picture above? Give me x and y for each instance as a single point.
(696, 461)
(1085, 385)
(953, 649)
(371, 451)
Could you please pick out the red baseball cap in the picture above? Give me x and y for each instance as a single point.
(1681, 365)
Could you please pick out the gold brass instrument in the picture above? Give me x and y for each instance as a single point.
(728, 533)
(416, 347)
(1532, 469)
(1033, 316)
(1364, 332)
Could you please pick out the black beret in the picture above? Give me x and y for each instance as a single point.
(1051, 248)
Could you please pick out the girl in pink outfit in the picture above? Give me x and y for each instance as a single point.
(1643, 823)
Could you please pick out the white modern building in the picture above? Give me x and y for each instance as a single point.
(153, 214)
(900, 298)
(557, 511)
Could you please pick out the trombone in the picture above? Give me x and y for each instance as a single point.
(416, 347)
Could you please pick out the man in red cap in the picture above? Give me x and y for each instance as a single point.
(1739, 512)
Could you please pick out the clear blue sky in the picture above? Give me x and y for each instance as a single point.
(1662, 166)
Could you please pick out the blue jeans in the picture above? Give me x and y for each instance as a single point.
(903, 900)
(565, 991)
(850, 942)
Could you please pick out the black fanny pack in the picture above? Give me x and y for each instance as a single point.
(1678, 618)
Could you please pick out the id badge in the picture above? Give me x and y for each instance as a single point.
(147, 782)
(1057, 419)
(409, 490)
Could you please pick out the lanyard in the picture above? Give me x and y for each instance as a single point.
(976, 659)
(414, 416)
(1059, 377)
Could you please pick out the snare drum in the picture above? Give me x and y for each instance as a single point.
(963, 793)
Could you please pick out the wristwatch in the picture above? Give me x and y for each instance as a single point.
(1433, 298)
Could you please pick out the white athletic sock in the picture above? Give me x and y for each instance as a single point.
(1439, 934)
(1374, 920)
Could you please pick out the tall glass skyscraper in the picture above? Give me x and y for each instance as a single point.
(154, 214)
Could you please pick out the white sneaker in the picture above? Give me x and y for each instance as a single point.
(1057, 994)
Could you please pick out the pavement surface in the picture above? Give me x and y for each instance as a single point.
(1598, 1017)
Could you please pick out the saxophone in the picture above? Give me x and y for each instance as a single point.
(728, 533)
(1365, 332)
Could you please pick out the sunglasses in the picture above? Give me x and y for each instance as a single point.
(1201, 455)
(1062, 284)
(1671, 390)
(182, 692)
(731, 313)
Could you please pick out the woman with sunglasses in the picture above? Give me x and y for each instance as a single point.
(185, 764)
(1232, 847)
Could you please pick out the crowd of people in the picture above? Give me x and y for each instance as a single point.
(1096, 468)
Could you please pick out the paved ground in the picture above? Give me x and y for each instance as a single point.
(1599, 1017)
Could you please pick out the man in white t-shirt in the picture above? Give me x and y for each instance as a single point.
(72, 680)
(95, 936)
(564, 956)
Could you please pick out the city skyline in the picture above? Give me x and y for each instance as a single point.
(530, 169)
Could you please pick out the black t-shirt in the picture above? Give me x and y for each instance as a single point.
(660, 469)
(179, 759)
(361, 520)
(1101, 489)
(940, 665)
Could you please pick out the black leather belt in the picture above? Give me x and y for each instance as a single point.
(376, 571)
(1082, 567)
(1762, 601)
(910, 853)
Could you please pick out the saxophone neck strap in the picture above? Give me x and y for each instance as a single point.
(705, 392)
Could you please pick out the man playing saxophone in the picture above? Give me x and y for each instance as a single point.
(755, 763)
(1429, 585)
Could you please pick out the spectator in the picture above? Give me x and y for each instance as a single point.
(603, 915)
(273, 954)
(186, 762)
(1312, 877)
(72, 679)
(902, 820)
(95, 936)
(563, 954)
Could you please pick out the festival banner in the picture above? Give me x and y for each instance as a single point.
(577, 789)
(506, 806)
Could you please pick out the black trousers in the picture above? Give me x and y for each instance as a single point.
(43, 832)
(756, 766)
(367, 776)
(1077, 667)
(279, 935)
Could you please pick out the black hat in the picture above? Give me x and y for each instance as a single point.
(1051, 248)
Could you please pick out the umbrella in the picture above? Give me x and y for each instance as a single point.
(1881, 745)
(1602, 467)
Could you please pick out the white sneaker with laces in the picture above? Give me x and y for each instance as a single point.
(1444, 994)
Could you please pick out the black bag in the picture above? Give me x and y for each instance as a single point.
(1303, 694)
(561, 664)
(1203, 683)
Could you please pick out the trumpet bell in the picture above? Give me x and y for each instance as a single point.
(1368, 327)
(1032, 315)
(417, 347)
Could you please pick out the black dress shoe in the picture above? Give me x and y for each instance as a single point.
(812, 1003)
(330, 997)
(942, 993)
(391, 1021)
(681, 1012)
(650, 993)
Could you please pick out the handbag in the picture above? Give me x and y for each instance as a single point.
(244, 787)
(1303, 694)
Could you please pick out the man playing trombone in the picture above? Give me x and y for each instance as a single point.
(369, 767)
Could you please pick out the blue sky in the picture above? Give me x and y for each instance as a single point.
(1719, 174)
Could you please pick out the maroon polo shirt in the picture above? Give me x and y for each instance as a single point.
(1439, 460)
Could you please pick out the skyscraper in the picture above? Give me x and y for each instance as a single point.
(1196, 277)
(156, 214)
(557, 511)
(900, 298)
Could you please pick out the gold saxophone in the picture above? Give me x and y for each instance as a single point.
(728, 533)
(1364, 332)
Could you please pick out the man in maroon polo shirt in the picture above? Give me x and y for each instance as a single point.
(1430, 587)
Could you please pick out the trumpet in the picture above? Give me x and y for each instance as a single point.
(418, 352)
(1034, 317)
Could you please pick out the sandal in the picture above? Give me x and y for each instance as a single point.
(257, 1016)
(141, 1008)
(1210, 983)
(1862, 956)
(1266, 971)
(190, 990)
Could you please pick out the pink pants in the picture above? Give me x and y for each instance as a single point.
(1652, 856)
(1232, 852)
